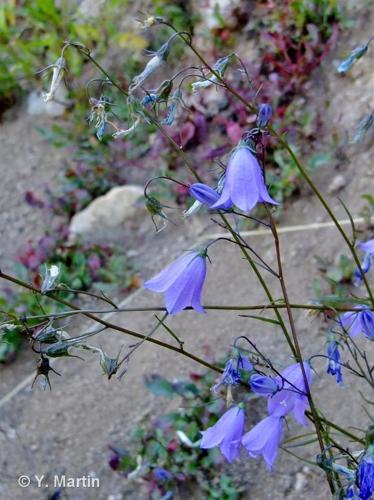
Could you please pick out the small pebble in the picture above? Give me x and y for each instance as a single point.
(338, 183)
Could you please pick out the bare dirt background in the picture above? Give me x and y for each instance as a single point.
(68, 430)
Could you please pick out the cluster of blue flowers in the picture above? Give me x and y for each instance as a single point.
(243, 186)
(352, 323)
(286, 393)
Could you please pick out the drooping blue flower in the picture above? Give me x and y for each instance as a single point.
(368, 249)
(226, 433)
(352, 493)
(160, 474)
(244, 363)
(334, 366)
(263, 385)
(264, 439)
(231, 374)
(149, 99)
(207, 195)
(358, 322)
(293, 395)
(366, 474)
(264, 114)
(367, 322)
(244, 184)
(182, 282)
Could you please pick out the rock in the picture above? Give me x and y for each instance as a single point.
(90, 8)
(36, 106)
(225, 8)
(337, 184)
(300, 481)
(108, 211)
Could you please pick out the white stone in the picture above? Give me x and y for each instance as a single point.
(108, 211)
(225, 9)
(90, 8)
(36, 105)
(339, 182)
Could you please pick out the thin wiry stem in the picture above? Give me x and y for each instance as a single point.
(291, 153)
(110, 325)
(260, 307)
(299, 357)
(263, 284)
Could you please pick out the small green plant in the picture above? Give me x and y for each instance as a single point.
(32, 30)
(101, 268)
(15, 303)
(169, 457)
(285, 180)
(336, 280)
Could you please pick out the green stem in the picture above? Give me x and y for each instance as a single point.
(337, 428)
(110, 325)
(300, 167)
(263, 284)
(260, 307)
(328, 209)
(299, 357)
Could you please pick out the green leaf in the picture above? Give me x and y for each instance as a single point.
(159, 386)
(10, 344)
(319, 159)
(260, 318)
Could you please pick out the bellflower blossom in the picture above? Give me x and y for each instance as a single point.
(263, 385)
(333, 361)
(181, 282)
(265, 112)
(358, 322)
(352, 493)
(244, 182)
(226, 433)
(207, 195)
(231, 373)
(160, 474)
(368, 249)
(264, 439)
(366, 474)
(292, 397)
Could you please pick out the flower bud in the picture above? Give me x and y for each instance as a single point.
(264, 114)
(203, 193)
(263, 385)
